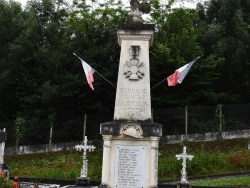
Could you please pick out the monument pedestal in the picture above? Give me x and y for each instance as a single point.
(130, 154)
(130, 150)
(4, 170)
(83, 181)
(183, 185)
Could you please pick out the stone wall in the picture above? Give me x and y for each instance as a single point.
(40, 148)
(210, 136)
(164, 140)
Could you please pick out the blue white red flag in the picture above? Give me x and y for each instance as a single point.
(89, 71)
(179, 74)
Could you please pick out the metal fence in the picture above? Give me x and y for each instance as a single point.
(192, 119)
(175, 121)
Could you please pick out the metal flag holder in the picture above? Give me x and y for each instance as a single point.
(83, 179)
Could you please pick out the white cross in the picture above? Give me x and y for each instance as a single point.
(85, 147)
(184, 157)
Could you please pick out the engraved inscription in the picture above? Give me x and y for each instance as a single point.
(130, 164)
(133, 90)
(132, 104)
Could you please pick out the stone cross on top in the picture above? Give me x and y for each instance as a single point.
(184, 156)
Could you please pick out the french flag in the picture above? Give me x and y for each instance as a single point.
(179, 75)
(89, 71)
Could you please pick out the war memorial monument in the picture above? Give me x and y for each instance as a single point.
(130, 150)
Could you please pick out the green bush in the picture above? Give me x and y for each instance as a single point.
(240, 159)
(5, 183)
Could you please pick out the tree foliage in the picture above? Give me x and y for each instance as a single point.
(40, 76)
(224, 34)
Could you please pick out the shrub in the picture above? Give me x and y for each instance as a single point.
(5, 183)
(240, 159)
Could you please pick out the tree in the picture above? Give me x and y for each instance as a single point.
(175, 45)
(11, 19)
(44, 43)
(95, 41)
(224, 33)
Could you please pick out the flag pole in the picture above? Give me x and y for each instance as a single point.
(158, 84)
(105, 79)
(97, 73)
(167, 78)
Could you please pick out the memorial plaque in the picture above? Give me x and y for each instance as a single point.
(130, 166)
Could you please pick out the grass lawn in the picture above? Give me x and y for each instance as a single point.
(210, 158)
(232, 181)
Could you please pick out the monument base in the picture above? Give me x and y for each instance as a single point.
(82, 181)
(103, 186)
(116, 127)
(130, 154)
(4, 170)
(183, 185)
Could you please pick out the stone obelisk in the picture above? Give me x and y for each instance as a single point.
(130, 150)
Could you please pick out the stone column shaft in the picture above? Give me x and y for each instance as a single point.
(154, 161)
(106, 159)
(133, 100)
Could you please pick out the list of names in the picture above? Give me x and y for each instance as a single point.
(130, 162)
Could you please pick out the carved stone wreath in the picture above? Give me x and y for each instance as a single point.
(133, 69)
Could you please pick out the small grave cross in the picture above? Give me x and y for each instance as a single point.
(85, 147)
(184, 156)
